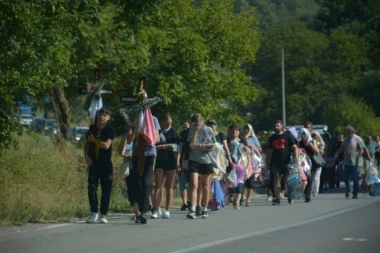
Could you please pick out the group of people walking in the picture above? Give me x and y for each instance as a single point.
(200, 155)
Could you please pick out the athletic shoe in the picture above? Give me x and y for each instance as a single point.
(205, 215)
(165, 214)
(307, 200)
(191, 215)
(347, 195)
(159, 212)
(270, 198)
(198, 211)
(154, 214)
(92, 218)
(184, 207)
(103, 219)
(354, 196)
(290, 200)
(276, 202)
(141, 219)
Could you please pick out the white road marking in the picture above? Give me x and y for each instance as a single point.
(236, 238)
(355, 240)
(54, 226)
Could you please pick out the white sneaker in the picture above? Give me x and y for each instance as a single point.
(269, 198)
(92, 218)
(165, 214)
(154, 214)
(103, 219)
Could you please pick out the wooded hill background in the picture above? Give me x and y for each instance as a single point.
(217, 57)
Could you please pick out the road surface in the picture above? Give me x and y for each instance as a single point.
(330, 223)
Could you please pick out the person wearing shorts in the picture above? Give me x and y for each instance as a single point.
(280, 146)
(166, 165)
(202, 141)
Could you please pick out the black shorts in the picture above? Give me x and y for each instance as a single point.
(165, 165)
(238, 189)
(279, 169)
(202, 169)
(250, 182)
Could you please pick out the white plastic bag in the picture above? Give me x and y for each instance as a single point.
(231, 179)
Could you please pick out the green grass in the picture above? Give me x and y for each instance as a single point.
(45, 181)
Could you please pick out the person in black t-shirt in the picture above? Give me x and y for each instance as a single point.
(166, 165)
(183, 163)
(280, 146)
(98, 152)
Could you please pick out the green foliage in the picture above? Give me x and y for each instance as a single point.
(43, 181)
(353, 112)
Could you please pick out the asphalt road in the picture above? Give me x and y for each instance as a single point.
(330, 223)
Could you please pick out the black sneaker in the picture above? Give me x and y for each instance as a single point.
(276, 202)
(198, 211)
(191, 215)
(140, 219)
(184, 207)
(354, 196)
(307, 199)
(205, 215)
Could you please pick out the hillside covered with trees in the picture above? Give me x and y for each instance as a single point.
(220, 58)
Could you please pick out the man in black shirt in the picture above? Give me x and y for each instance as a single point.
(98, 152)
(280, 146)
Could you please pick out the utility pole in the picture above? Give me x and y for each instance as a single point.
(283, 87)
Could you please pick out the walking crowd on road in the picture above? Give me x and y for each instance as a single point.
(214, 169)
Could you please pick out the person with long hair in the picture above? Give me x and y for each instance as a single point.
(249, 136)
(238, 148)
(202, 141)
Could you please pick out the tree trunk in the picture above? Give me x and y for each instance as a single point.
(64, 110)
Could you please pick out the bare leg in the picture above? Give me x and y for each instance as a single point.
(193, 189)
(205, 179)
(199, 195)
(169, 180)
(184, 196)
(242, 195)
(249, 195)
(237, 197)
(159, 182)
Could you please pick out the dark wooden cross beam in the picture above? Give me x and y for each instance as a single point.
(91, 87)
(141, 141)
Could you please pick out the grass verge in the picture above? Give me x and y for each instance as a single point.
(43, 181)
